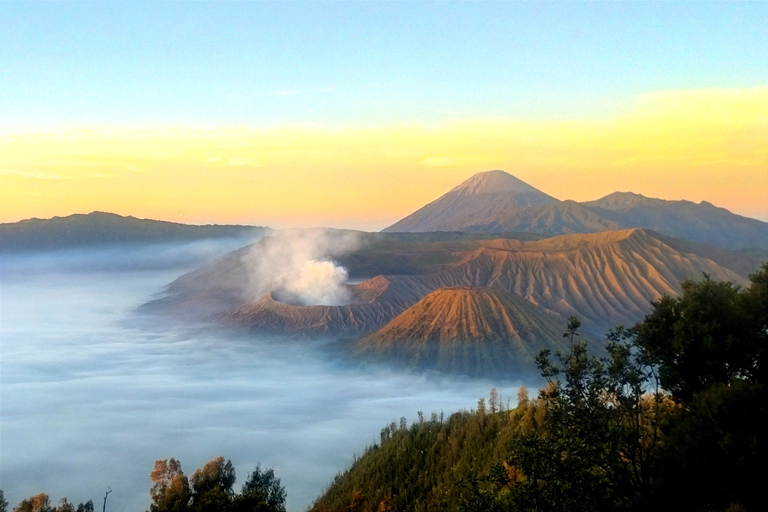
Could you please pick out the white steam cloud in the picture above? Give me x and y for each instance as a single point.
(297, 267)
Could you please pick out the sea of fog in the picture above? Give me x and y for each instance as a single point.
(91, 394)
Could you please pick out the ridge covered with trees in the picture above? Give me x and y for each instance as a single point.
(671, 419)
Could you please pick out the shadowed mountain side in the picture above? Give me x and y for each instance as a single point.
(475, 331)
(107, 228)
(702, 222)
(205, 292)
(477, 200)
(415, 253)
(552, 219)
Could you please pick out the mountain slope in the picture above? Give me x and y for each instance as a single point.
(480, 198)
(557, 218)
(106, 228)
(604, 278)
(496, 202)
(476, 331)
(701, 222)
(374, 302)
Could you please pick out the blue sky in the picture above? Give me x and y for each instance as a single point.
(355, 114)
(361, 63)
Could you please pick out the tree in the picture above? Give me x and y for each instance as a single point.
(3, 502)
(594, 448)
(709, 344)
(37, 503)
(171, 492)
(85, 507)
(261, 492)
(494, 401)
(210, 489)
(714, 332)
(673, 417)
(572, 329)
(212, 485)
(65, 506)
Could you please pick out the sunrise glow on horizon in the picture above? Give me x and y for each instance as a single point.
(356, 114)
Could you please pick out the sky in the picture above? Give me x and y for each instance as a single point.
(355, 114)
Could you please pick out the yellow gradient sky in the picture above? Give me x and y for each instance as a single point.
(355, 114)
(698, 145)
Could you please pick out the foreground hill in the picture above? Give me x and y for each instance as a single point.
(422, 467)
(495, 201)
(480, 331)
(99, 228)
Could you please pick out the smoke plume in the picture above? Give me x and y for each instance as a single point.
(297, 267)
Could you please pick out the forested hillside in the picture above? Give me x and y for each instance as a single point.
(426, 466)
(671, 420)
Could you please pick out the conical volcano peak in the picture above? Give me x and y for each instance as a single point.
(484, 199)
(490, 182)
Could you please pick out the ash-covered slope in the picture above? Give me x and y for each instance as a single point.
(479, 200)
(604, 278)
(702, 222)
(374, 302)
(477, 331)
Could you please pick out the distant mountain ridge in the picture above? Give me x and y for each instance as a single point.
(702, 222)
(495, 201)
(107, 228)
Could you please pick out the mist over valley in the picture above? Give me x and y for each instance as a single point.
(94, 392)
(292, 348)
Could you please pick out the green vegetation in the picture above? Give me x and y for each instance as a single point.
(670, 419)
(417, 467)
(42, 503)
(211, 489)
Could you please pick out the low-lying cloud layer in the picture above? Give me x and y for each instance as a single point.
(297, 266)
(91, 399)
